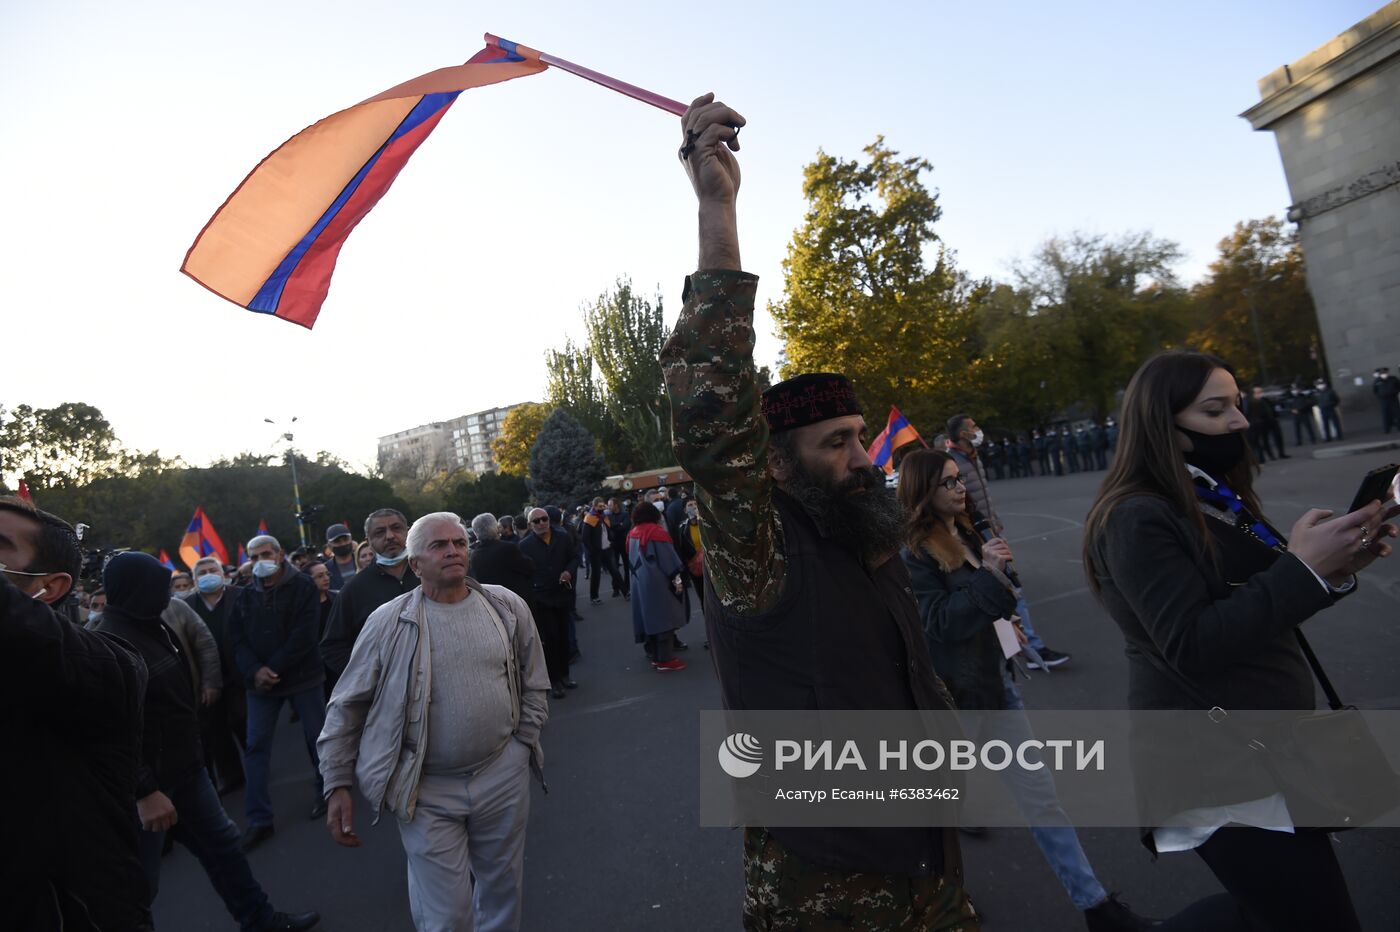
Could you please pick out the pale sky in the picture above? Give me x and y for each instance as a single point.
(127, 124)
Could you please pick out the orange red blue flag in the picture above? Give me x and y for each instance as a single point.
(272, 246)
(165, 560)
(898, 431)
(201, 540)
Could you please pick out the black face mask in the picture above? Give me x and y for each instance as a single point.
(1216, 454)
(343, 550)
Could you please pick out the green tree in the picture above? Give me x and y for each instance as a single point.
(1254, 309)
(869, 290)
(565, 465)
(518, 433)
(625, 335)
(572, 383)
(496, 493)
(65, 446)
(1085, 312)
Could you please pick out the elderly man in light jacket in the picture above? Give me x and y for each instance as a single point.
(438, 717)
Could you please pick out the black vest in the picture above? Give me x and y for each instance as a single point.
(840, 637)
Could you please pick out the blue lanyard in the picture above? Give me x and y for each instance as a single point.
(1222, 496)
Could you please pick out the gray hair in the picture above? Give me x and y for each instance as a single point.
(211, 561)
(418, 534)
(383, 513)
(261, 539)
(486, 526)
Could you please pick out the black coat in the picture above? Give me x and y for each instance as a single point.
(70, 710)
(277, 627)
(550, 560)
(501, 563)
(958, 610)
(368, 589)
(1224, 627)
(170, 748)
(216, 620)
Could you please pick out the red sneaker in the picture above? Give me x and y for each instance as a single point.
(675, 663)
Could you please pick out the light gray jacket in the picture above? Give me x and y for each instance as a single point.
(975, 481)
(376, 720)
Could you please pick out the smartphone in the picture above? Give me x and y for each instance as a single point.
(1380, 485)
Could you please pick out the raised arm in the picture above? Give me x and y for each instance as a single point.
(721, 438)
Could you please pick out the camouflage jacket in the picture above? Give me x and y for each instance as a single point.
(721, 438)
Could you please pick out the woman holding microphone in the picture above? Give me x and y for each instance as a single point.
(963, 590)
(1208, 596)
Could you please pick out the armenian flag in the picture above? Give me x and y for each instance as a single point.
(242, 555)
(898, 431)
(262, 527)
(272, 246)
(24, 495)
(201, 540)
(165, 560)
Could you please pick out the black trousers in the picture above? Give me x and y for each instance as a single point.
(223, 730)
(1276, 883)
(552, 621)
(601, 561)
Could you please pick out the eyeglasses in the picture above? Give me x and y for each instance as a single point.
(538, 520)
(953, 482)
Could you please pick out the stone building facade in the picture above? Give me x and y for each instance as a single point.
(1335, 114)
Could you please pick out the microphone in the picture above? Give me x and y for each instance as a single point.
(982, 526)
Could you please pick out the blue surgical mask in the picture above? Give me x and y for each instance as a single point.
(391, 561)
(209, 582)
(265, 568)
(93, 617)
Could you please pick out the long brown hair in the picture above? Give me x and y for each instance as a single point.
(919, 475)
(1148, 460)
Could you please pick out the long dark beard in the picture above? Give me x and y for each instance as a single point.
(858, 510)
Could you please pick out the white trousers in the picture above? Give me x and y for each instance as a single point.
(467, 829)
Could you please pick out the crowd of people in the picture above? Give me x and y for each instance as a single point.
(420, 663)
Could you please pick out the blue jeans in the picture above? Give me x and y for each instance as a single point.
(310, 704)
(1024, 611)
(1034, 792)
(205, 829)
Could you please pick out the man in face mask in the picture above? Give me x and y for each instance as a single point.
(964, 437)
(173, 791)
(96, 606)
(273, 630)
(180, 584)
(224, 722)
(342, 563)
(70, 708)
(388, 577)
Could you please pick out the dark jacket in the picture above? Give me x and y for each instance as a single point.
(368, 589)
(216, 620)
(170, 748)
(276, 627)
(501, 563)
(1224, 628)
(675, 514)
(958, 610)
(841, 636)
(621, 523)
(550, 560)
(338, 579)
(592, 535)
(685, 547)
(70, 710)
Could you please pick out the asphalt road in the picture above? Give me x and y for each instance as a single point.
(616, 844)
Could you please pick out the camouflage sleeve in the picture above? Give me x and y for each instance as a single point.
(721, 438)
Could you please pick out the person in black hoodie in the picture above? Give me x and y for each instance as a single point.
(173, 792)
(273, 629)
(499, 562)
(70, 710)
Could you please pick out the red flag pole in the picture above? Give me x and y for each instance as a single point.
(622, 87)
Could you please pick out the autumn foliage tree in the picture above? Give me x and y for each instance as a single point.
(521, 428)
(869, 290)
(1254, 309)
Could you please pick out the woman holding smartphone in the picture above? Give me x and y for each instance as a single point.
(1207, 594)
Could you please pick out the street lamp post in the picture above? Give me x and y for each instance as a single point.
(296, 487)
